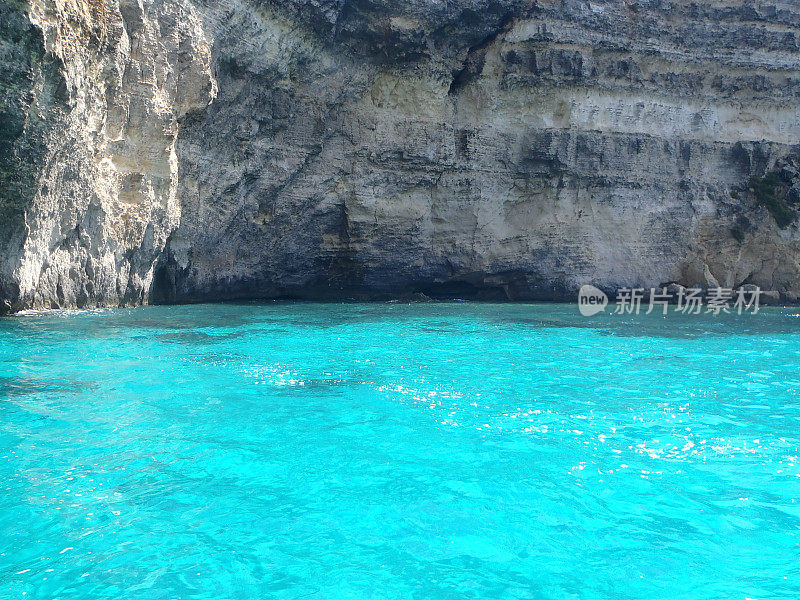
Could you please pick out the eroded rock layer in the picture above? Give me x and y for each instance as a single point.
(186, 150)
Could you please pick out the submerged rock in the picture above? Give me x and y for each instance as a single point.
(182, 150)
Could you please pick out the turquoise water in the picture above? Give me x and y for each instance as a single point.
(390, 451)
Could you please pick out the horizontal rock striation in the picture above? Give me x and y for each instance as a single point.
(191, 150)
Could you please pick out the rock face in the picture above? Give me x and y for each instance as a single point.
(186, 150)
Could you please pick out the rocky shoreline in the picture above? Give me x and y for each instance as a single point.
(198, 150)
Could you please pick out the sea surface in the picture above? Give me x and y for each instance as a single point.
(399, 451)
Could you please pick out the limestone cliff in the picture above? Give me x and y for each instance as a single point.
(182, 150)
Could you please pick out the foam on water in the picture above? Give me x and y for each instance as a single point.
(399, 451)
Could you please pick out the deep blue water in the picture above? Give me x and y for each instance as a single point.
(391, 451)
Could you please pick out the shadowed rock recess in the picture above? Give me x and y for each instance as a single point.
(189, 150)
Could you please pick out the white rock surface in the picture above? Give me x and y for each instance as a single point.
(205, 149)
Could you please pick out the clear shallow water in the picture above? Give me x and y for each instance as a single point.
(386, 451)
